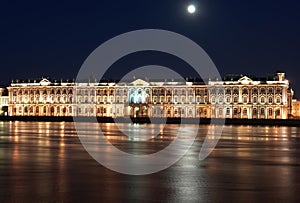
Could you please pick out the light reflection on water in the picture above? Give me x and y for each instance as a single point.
(45, 161)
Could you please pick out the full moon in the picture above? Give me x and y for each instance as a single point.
(191, 8)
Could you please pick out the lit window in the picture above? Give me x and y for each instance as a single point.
(235, 99)
(213, 100)
(220, 99)
(270, 90)
(245, 91)
(254, 99)
(270, 100)
(270, 112)
(228, 111)
(228, 99)
(254, 111)
(278, 91)
(220, 111)
(183, 99)
(235, 111)
(262, 91)
(228, 91)
(278, 100)
(254, 91)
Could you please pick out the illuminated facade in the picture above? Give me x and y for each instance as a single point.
(264, 98)
(232, 98)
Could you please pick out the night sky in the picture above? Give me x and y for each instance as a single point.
(53, 38)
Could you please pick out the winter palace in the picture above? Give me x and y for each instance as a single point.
(233, 97)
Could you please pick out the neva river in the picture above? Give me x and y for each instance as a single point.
(45, 162)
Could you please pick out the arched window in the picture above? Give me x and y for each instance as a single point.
(278, 100)
(255, 99)
(213, 100)
(228, 99)
(270, 112)
(228, 111)
(213, 91)
(235, 111)
(278, 90)
(175, 111)
(235, 99)
(235, 91)
(245, 91)
(254, 111)
(270, 90)
(254, 91)
(221, 99)
(270, 100)
(262, 91)
(228, 91)
(220, 112)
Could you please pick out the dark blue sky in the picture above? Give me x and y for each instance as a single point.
(53, 38)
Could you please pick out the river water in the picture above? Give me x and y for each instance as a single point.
(46, 162)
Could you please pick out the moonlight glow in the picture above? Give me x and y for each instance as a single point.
(191, 8)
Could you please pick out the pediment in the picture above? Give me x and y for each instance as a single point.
(139, 82)
(245, 80)
(45, 82)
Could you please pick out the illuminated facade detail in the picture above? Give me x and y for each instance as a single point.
(233, 97)
(247, 98)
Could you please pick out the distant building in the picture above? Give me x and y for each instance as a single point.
(3, 101)
(296, 109)
(234, 97)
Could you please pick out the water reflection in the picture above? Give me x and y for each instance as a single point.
(45, 161)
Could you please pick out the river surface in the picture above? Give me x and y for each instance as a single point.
(46, 162)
